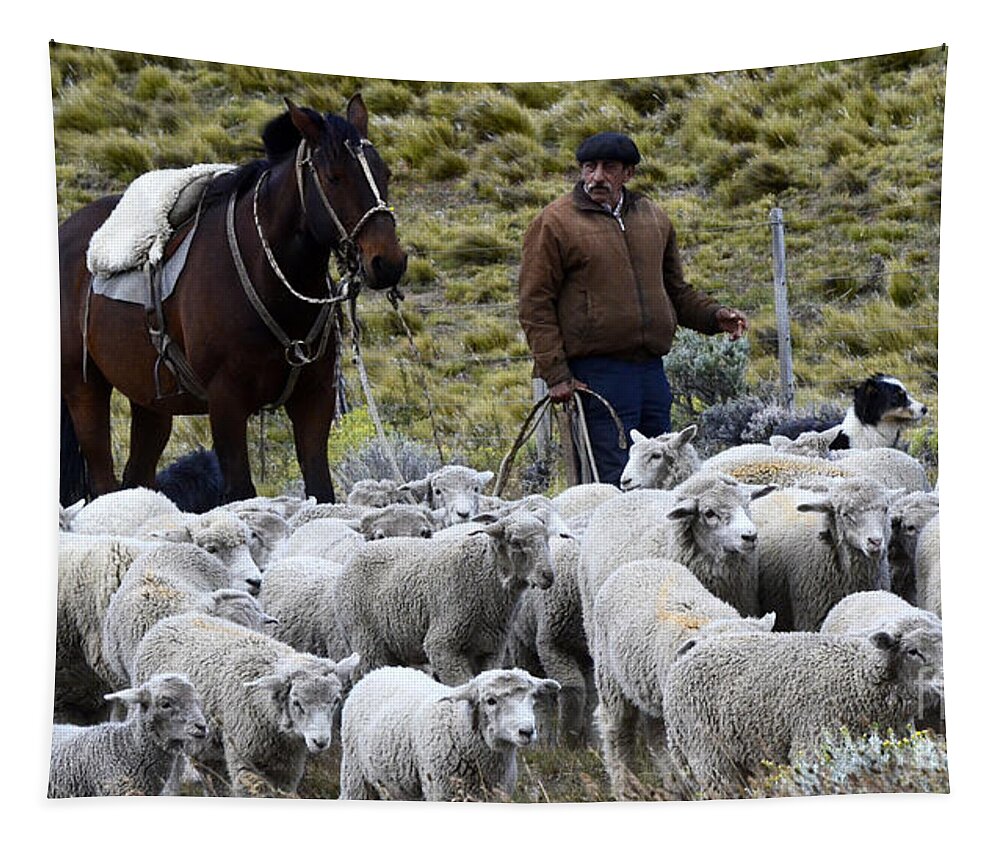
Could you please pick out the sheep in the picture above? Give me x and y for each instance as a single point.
(908, 515)
(643, 613)
(583, 499)
(374, 493)
(169, 581)
(927, 567)
(865, 612)
(892, 468)
(546, 637)
(124, 512)
(267, 705)
(817, 546)
(267, 530)
(660, 462)
(443, 601)
(331, 539)
(730, 702)
(454, 488)
(133, 757)
(285, 505)
(299, 592)
(91, 568)
(407, 737)
(702, 523)
(67, 515)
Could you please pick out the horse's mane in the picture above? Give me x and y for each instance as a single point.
(280, 137)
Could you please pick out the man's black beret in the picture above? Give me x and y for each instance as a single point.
(608, 146)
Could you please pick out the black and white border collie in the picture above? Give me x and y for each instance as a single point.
(882, 409)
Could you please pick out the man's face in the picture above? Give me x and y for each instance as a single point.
(604, 179)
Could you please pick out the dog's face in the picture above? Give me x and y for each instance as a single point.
(883, 398)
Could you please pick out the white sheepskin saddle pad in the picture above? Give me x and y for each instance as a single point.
(140, 225)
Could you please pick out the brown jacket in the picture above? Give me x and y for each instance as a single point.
(587, 288)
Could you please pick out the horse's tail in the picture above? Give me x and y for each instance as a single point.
(73, 484)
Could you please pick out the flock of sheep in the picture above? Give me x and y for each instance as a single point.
(717, 612)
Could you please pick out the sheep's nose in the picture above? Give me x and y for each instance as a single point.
(624, 483)
(254, 583)
(321, 743)
(750, 537)
(923, 409)
(462, 513)
(426, 533)
(527, 732)
(199, 731)
(875, 543)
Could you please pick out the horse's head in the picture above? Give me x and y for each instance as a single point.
(343, 183)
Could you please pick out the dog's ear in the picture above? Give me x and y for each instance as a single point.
(866, 397)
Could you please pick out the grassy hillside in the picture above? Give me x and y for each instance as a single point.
(851, 151)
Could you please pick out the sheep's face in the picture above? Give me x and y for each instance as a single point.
(399, 521)
(170, 708)
(453, 489)
(525, 541)
(266, 529)
(719, 519)
(375, 493)
(858, 514)
(226, 536)
(311, 705)
(907, 517)
(240, 608)
(916, 658)
(503, 705)
(652, 460)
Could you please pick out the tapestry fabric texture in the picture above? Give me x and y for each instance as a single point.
(325, 544)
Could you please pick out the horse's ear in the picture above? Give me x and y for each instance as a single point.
(304, 123)
(357, 114)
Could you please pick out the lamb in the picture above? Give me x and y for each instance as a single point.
(869, 611)
(444, 601)
(407, 737)
(267, 704)
(300, 592)
(660, 462)
(643, 613)
(908, 515)
(454, 488)
(169, 581)
(927, 567)
(817, 546)
(702, 523)
(134, 757)
(91, 568)
(730, 702)
(124, 512)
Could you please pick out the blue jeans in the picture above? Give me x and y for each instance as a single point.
(640, 394)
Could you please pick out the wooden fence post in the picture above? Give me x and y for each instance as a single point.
(543, 434)
(781, 308)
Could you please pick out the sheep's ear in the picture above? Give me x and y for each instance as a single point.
(637, 436)
(485, 477)
(277, 684)
(468, 692)
(129, 696)
(495, 529)
(685, 508)
(767, 621)
(488, 517)
(686, 646)
(821, 504)
(344, 669)
(545, 687)
(181, 535)
(757, 491)
(884, 641)
(418, 487)
(779, 442)
(266, 619)
(684, 436)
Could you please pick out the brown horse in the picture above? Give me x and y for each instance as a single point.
(321, 189)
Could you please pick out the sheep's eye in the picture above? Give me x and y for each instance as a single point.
(491, 701)
(911, 528)
(165, 703)
(916, 654)
(710, 514)
(211, 548)
(476, 488)
(656, 456)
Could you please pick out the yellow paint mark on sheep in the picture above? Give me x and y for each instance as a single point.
(786, 470)
(666, 612)
(154, 587)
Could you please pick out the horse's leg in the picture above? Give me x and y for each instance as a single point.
(89, 404)
(149, 435)
(311, 412)
(228, 419)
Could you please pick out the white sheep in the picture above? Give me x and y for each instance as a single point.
(927, 567)
(583, 499)
(124, 512)
(443, 601)
(889, 467)
(375, 493)
(817, 546)
(908, 515)
(407, 737)
(454, 488)
(660, 462)
(267, 530)
(643, 613)
(703, 524)
(286, 506)
(91, 568)
(268, 706)
(174, 579)
(730, 702)
(299, 592)
(133, 757)
(328, 538)
(67, 515)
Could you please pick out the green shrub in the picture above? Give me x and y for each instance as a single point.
(121, 157)
(705, 370)
(496, 114)
(387, 97)
(536, 95)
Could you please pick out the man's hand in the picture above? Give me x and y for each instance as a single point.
(563, 391)
(732, 321)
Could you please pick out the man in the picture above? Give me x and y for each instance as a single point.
(601, 295)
